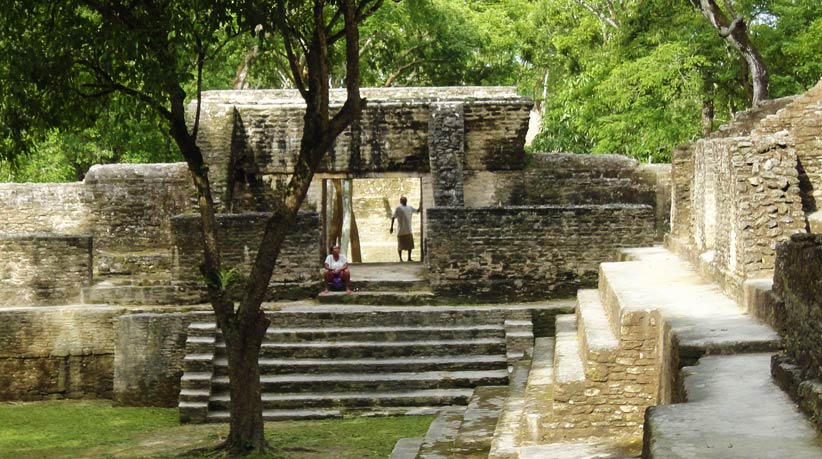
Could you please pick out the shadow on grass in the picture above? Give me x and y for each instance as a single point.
(94, 430)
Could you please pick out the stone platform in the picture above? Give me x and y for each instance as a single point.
(590, 385)
(734, 410)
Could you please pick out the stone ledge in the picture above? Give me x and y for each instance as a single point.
(807, 393)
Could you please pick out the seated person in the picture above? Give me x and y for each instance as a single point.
(336, 267)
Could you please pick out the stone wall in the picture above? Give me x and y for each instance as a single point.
(43, 269)
(735, 198)
(571, 179)
(620, 382)
(748, 186)
(796, 283)
(56, 352)
(802, 118)
(240, 234)
(148, 358)
(132, 204)
(266, 127)
(56, 208)
(446, 146)
(528, 252)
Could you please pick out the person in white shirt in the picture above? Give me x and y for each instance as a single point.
(405, 239)
(336, 267)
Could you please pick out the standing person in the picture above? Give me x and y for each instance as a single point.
(405, 240)
(336, 267)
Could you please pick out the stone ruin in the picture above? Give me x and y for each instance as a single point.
(101, 294)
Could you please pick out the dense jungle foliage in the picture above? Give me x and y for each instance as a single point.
(634, 77)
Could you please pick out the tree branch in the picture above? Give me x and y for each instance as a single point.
(599, 14)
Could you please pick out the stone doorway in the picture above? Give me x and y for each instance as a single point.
(357, 216)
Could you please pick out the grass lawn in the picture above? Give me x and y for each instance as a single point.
(93, 429)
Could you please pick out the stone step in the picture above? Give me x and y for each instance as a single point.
(194, 395)
(195, 381)
(568, 366)
(200, 346)
(141, 295)
(538, 396)
(597, 340)
(439, 439)
(704, 320)
(373, 349)
(374, 365)
(479, 422)
(592, 448)
(385, 298)
(353, 400)
(504, 444)
(406, 448)
(302, 315)
(396, 285)
(385, 333)
(519, 336)
(281, 415)
(734, 410)
(130, 280)
(371, 382)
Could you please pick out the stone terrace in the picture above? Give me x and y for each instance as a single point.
(585, 392)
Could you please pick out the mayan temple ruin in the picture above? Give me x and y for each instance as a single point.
(560, 305)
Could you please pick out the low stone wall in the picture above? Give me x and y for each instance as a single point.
(572, 179)
(528, 252)
(148, 358)
(240, 234)
(56, 352)
(43, 269)
(796, 281)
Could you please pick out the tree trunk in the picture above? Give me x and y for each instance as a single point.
(707, 117)
(736, 34)
(243, 350)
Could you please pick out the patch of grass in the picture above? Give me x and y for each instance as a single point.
(94, 429)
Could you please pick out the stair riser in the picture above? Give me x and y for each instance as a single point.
(195, 384)
(374, 351)
(358, 386)
(398, 335)
(379, 299)
(332, 367)
(199, 366)
(349, 403)
(389, 286)
(140, 296)
(381, 318)
(193, 398)
(376, 368)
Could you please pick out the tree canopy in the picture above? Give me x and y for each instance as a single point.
(635, 77)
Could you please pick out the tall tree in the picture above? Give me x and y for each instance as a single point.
(63, 58)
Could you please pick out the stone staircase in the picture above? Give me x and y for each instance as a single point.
(320, 361)
(585, 392)
(589, 386)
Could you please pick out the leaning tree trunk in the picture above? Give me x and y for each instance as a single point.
(736, 34)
